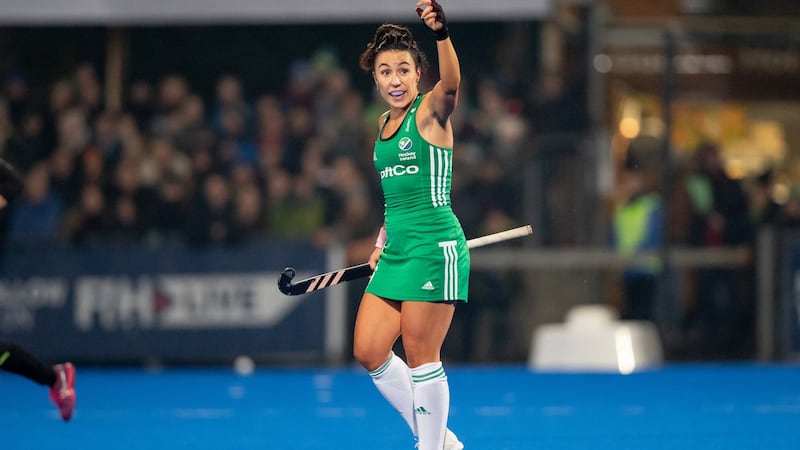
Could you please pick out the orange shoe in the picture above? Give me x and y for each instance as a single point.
(63, 392)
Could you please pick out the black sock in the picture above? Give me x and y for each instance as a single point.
(16, 360)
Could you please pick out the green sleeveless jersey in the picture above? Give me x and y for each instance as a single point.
(425, 257)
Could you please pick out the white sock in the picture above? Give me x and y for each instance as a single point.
(431, 404)
(393, 381)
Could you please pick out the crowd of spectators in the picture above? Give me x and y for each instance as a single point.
(174, 167)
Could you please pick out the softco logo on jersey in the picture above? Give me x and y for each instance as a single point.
(398, 171)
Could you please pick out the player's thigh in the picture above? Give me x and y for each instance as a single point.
(376, 330)
(424, 326)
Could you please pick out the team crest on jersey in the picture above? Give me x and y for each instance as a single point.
(405, 143)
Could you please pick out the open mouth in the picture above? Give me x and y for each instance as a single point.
(397, 94)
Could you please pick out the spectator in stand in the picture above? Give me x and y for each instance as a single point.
(720, 205)
(339, 113)
(172, 92)
(294, 209)
(36, 214)
(131, 140)
(637, 226)
(73, 131)
(91, 167)
(249, 197)
(300, 128)
(64, 177)
(764, 210)
(352, 214)
(203, 162)
(487, 189)
(28, 145)
(350, 138)
(90, 90)
(61, 98)
(491, 298)
(790, 214)
(169, 210)
(235, 145)
(212, 217)
(163, 160)
(500, 129)
(270, 130)
(17, 96)
(555, 104)
(249, 207)
(243, 175)
(301, 84)
(191, 131)
(106, 137)
(141, 103)
(126, 187)
(333, 88)
(229, 96)
(125, 227)
(88, 222)
(720, 218)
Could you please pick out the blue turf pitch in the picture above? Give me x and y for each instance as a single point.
(493, 408)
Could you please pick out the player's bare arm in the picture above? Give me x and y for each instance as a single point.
(441, 101)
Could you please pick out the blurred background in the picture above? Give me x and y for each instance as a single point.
(178, 155)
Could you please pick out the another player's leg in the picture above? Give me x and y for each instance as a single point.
(59, 378)
(424, 327)
(16, 360)
(63, 391)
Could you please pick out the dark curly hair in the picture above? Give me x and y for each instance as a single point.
(392, 37)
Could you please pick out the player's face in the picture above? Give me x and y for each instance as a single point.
(396, 76)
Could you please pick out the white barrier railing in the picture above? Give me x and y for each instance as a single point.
(588, 258)
(559, 259)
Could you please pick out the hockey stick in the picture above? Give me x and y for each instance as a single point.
(329, 279)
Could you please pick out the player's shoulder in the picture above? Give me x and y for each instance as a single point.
(424, 102)
(383, 117)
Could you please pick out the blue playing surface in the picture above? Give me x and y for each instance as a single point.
(493, 408)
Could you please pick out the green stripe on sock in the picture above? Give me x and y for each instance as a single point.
(438, 373)
(381, 369)
(4, 357)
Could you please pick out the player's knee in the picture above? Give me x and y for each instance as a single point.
(369, 356)
(418, 353)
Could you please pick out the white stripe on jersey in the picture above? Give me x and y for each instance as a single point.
(440, 169)
(450, 288)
